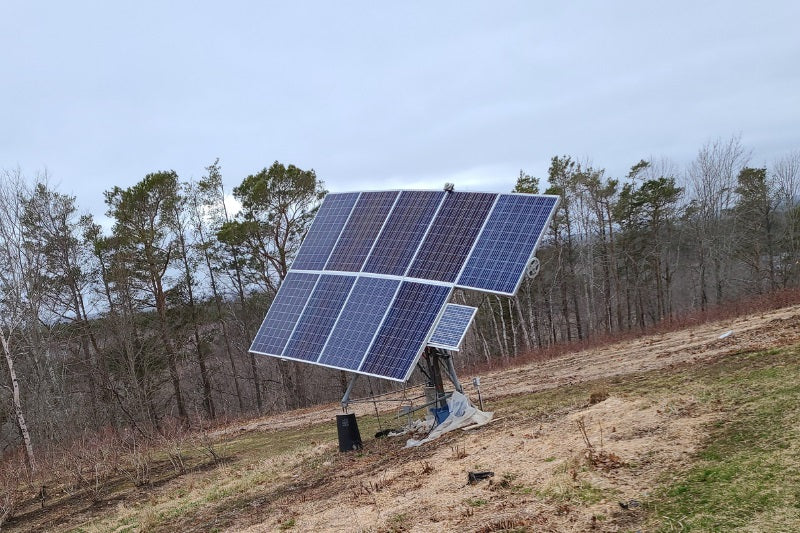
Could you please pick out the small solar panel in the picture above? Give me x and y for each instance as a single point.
(373, 275)
(452, 327)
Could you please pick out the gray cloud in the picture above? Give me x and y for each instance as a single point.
(387, 95)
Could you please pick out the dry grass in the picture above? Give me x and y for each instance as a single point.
(654, 424)
(713, 314)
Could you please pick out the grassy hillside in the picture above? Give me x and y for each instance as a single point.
(706, 443)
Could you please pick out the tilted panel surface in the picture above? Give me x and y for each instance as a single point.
(405, 329)
(358, 322)
(324, 232)
(283, 314)
(403, 232)
(452, 326)
(318, 318)
(507, 243)
(359, 234)
(375, 318)
(451, 236)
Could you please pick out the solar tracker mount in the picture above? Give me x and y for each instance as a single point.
(370, 284)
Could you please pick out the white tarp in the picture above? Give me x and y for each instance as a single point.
(462, 414)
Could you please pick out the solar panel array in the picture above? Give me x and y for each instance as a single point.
(373, 276)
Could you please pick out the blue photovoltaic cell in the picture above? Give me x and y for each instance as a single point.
(318, 318)
(452, 326)
(403, 232)
(359, 234)
(451, 236)
(324, 232)
(360, 319)
(283, 313)
(405, 329)
(509, 238)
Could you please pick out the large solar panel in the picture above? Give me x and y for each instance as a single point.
(451, 236)
(403, 232)
(359, 234)
(405, 329)
(369, 286)
(324, 233)
(452, 327)
(283, 314)
(320, 314)
(507, 243)
(359, 322)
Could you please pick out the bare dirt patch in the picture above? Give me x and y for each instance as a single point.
(543, 477)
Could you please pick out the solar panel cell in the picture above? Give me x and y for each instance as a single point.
(403, 232)
(358, 322)
(324, 232)
(359, 234)
(401, 337)
(318, 318)
(451, 236)
(507, 243)
(283, 314)
(452, 326)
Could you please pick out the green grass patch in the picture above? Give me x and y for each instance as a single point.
(476, 502)
(564, 490)
(287, 524)
(748, 473)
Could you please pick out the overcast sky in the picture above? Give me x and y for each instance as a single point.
(376, 95)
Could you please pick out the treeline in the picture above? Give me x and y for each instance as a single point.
(146, 326)
(626, 253)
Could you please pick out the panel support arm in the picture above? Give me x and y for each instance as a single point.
(451, 373)
(346, 397)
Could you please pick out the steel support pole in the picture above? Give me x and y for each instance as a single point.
(346, 397)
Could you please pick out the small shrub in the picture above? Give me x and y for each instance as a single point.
(287, 524)
(459, 452)
(598, 396)
(11, 472)
(476, 502)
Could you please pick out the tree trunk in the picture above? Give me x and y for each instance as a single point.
(505, 346)
(172, 358)
(565, 308)
(523, 323)
(20, 415)
(208, 401)
(246, 323)
(257, 383)
(496, 327)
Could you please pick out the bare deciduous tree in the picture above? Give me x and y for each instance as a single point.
(712, 190)
(14, 268)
